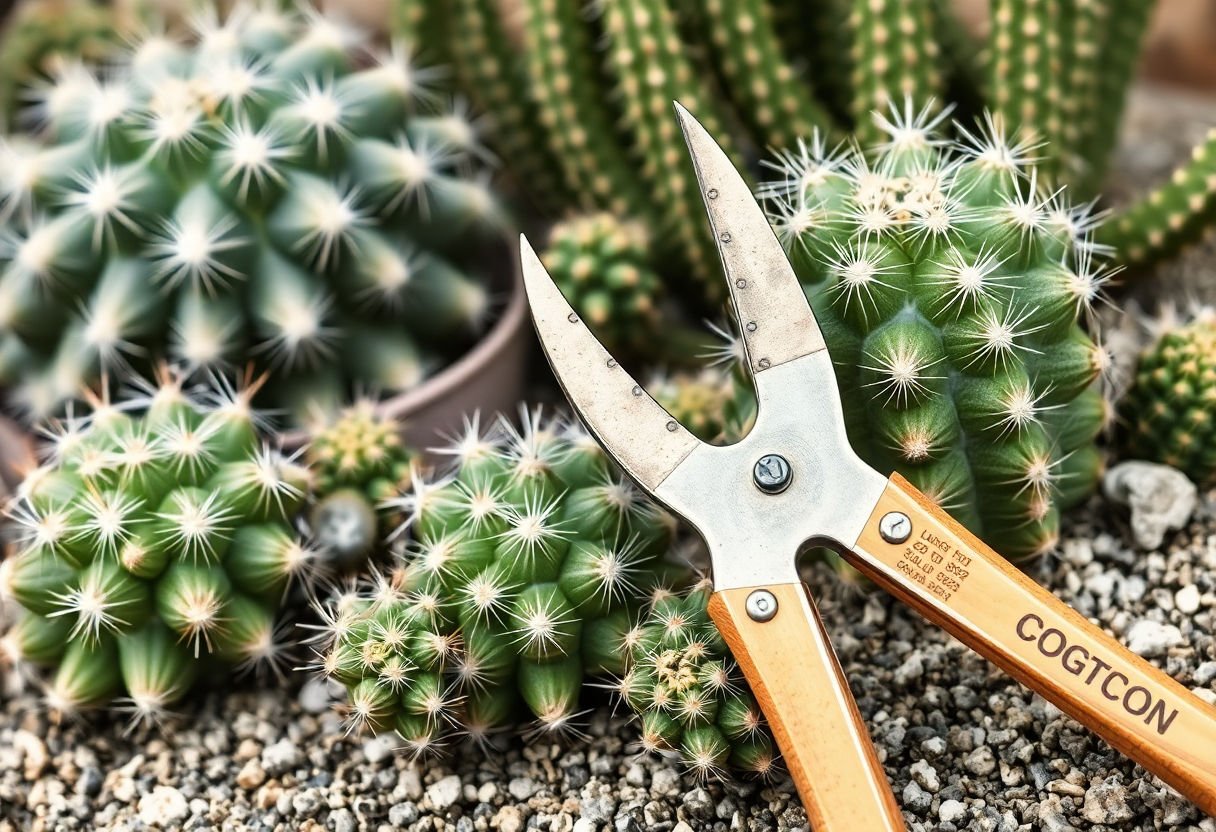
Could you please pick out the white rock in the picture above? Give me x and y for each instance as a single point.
(952, 811)
(380, 747)
(164, 807)
(584, 825)
(925, 776)
(1187, 599)
(445, 792)
(1149, 638)
(1161, 498)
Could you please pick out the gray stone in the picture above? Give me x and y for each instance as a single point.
(443, 793)
(952, 811)
(1150, 638)
(1161, 499)
(1106, 803)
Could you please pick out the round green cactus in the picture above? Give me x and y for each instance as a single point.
(603, 266)
(1170, 410)
(359, 462)
(267, 191)
(952, 291)
(526, 568)
(156, 542)
(686, 690)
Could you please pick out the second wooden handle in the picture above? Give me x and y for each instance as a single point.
(797, 679)
(958, 583)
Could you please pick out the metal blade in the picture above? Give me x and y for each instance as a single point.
(633, 428)
(774, 317)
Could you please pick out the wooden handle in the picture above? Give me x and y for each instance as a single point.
(958, 583)
(796, 677)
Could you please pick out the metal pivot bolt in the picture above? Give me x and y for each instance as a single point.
(772, 474)
(761, 605)
(895, 527)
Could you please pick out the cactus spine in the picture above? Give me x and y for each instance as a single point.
(526, 567)
(157, 540)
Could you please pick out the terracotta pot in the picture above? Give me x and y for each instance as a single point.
(488, 378)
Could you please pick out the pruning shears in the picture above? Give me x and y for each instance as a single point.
(794, 480)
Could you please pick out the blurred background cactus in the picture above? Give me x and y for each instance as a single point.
(765, 73)
(155, 548)
(1169, 412)
(526, 568)
(267, 190)
(43, 36)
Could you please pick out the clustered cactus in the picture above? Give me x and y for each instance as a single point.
(688, 694)
(1053, 71)
(526, 567)
(359, 464)
(155, 547)
(269, 191)
(952, 287)
(603, 266)
(1169, 412)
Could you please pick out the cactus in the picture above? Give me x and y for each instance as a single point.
(527, 564)
(1178, 213)
(603, 266)
(705, 402)
(155, 546)
(1169, 412)
(951, 289)
(685, 688)
(252, 193)
(43, 36)
(359, 463)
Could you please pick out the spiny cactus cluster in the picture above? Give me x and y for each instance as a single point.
(1054, 71)
(951, 287)
(268, 190)
(1169, 413)
(155, 547)
(603, 267)
(43, 35)
(359, 464)
(689, 696)
(526, 568)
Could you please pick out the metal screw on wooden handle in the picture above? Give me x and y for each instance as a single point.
(895, 527)
(761, 606)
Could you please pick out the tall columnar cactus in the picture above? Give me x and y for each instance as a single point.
(1169, 413)
(526, 567)
(951, 288)
(268, 190)
(603, 265)
(766, 72)
(359, 464)
(155, 547)
(691, 700)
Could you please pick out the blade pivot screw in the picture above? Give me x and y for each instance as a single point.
(895, 527)
(761, 605)
(772, 474)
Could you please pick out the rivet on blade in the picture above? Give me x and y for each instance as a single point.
(761, 605)
(672, 426)
(611, 363)
(637, 389)
(741, 283)
(751, 326)
(764, 363)
(712, 193)
(895, 527)
(572, 318)
(724, 236)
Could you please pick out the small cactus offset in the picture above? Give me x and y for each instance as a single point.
(1169, 412)
(155, 546)
(603, 266)
(526, 568)
(359, 463)
(952, 290)
(688, 694)
(255, 192)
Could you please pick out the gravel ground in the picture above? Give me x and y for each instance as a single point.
(966, 748)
